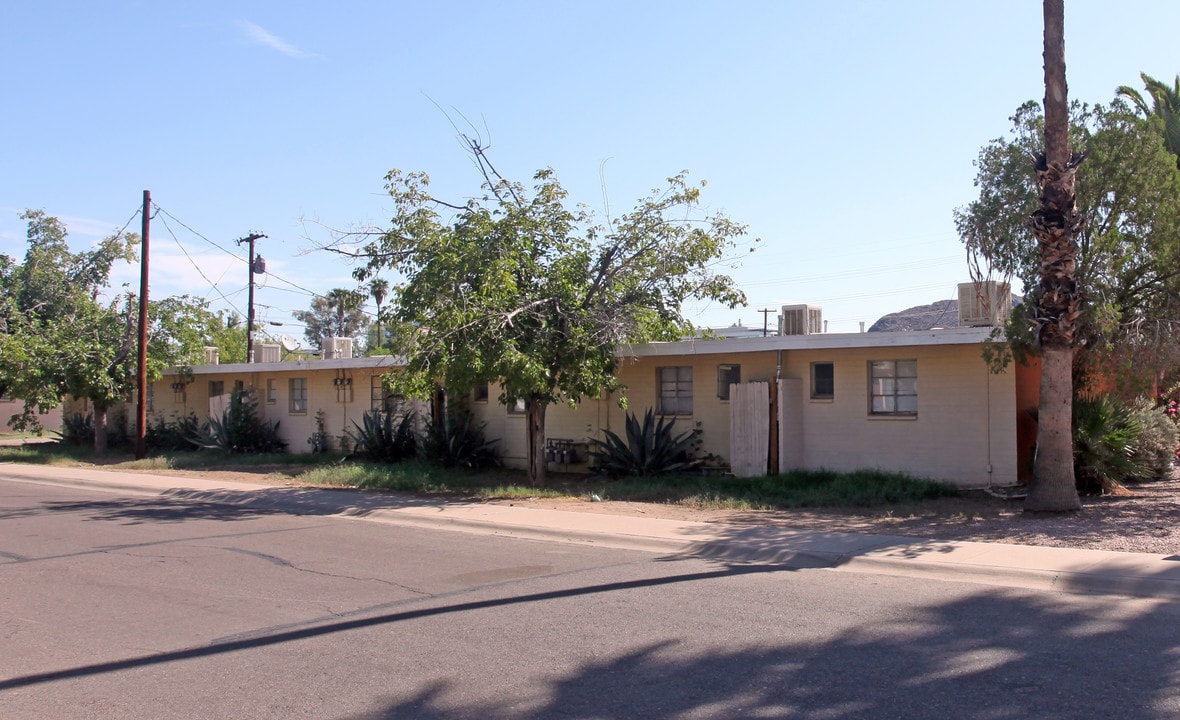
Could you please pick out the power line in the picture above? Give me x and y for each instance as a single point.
(194, 232)
(200, 272)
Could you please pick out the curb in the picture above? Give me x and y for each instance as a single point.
(1017, 566)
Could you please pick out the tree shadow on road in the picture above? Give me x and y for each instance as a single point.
(991, 655)
(181, 505)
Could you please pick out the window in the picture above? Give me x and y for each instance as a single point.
(178, 391)
(150, 405)
(297, 399)
(381, 400)
(239, 386)
(517, 407)
(823, 381)
(675, 390)
(893, 387)
(727, 375)
(216, 387)
(272, 391)
(480, 393)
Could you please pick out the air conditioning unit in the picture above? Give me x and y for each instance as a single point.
(268, 353)
(984, 304)
(337, 348)
(801, 320)
(211, 356)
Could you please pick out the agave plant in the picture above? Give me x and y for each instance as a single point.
(650, 448)
(383, 438)
(455, 442)
(239, 429)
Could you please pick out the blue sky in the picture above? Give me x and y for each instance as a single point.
(842, 133)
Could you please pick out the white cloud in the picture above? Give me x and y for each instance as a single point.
(261, 36)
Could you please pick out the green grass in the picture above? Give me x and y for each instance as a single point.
(805, 489)
(45, 454)
(810, 489)
(420, 477)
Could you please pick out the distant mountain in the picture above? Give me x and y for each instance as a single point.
(939, 314)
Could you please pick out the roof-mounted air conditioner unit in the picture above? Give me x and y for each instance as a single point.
(268, 353)
(337, 348)
(984, 304)
(801, 320)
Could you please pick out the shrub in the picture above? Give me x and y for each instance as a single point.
(1156, 446)
(163, 436)
(650, 448)
(383, 438)
(239, 429)
(456, 443)
(78, 429)
(1105, 435)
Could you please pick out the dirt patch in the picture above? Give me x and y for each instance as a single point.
(1146, 520)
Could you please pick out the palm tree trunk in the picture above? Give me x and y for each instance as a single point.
(1054, 488)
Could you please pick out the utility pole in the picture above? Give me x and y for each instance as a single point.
(141, 365)
(260, 264)
(765, 321)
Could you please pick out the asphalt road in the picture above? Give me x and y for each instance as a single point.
(133, 607)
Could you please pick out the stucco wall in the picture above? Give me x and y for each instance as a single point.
(964, 431)
(342, 404)
(50, 421)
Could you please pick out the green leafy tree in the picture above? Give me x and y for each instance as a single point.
(1128, 260)
(58, 337)
(340, 313)
(515, 286)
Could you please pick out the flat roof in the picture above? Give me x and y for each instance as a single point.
(818, 341)
(356, 363)
(695, 346)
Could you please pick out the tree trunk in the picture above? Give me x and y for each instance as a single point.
(1053, 488)
(535, 417)
(100, 429)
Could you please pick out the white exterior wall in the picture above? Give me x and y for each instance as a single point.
(964, 432)
(342, 404)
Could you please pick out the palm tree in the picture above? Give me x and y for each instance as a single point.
(1165, 104)
(379, 289)
(336, 314)
(1058, 296)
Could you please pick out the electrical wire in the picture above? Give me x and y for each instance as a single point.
(212, 284)
(194, 232)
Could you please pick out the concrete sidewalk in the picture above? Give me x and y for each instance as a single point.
(1043, 568)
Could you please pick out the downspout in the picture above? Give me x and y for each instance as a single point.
(775, 460)
(989, 423)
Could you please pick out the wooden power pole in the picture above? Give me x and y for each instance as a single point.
(141, 366)
(252, 262)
